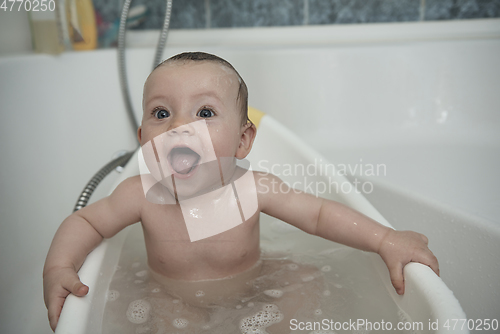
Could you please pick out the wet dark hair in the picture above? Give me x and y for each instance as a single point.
(242, 97)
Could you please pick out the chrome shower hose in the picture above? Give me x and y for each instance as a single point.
(122, 70)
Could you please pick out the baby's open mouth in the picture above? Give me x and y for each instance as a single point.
(183, 160)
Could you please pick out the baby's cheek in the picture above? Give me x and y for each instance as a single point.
(225, 151)
(225, 140)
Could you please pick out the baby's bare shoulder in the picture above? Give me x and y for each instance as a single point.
(112, 213)
(268, 186)
(131, 185)
(264, 180)
(129, 191)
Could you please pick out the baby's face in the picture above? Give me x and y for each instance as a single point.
(192, 116)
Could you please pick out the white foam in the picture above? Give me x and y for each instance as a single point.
(200, 293)
(180, 323)
(141, 273)
(326, 268)
(258, 322)
(138, 311)
(112, 295)
(275, 293)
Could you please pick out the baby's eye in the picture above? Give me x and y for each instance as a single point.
(206, 113)
(161, 113)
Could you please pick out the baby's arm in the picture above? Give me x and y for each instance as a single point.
(339, 223)
(78, 235)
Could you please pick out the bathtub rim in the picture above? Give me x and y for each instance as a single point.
(318, 35)
(307, 35)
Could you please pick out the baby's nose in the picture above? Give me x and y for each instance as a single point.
(181, 128)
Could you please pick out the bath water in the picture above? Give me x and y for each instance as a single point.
(305, 281)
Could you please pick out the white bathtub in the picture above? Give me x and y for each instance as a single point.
(62, 119)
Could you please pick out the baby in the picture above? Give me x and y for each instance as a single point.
(194, 127)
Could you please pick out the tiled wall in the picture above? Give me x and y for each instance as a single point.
(202, 14)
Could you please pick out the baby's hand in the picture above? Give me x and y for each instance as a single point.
(58, 283)
(398, 248)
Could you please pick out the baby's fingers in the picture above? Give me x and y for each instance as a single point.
(55, 299)
(54, 309)
(396, 273)
(73, 284)
(429, 260)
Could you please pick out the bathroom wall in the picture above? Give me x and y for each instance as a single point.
(15, 36)
(205, 14)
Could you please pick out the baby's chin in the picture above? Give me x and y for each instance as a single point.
(206, 178)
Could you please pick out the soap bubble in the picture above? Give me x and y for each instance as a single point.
(112, 295)
(180, 323)
(138, 311)
(275, 293)
(270, 314)
(141, 273)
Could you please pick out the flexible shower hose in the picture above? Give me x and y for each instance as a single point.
(84, 198)
(121, 161)
(122, 66)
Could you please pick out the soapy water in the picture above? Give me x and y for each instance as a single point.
(308, 284)
(138, 311)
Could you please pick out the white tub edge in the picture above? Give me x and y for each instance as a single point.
(322, 35)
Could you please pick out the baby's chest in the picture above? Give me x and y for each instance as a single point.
(166, 224)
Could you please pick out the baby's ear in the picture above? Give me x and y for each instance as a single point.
(248, 132)
(139, 134)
